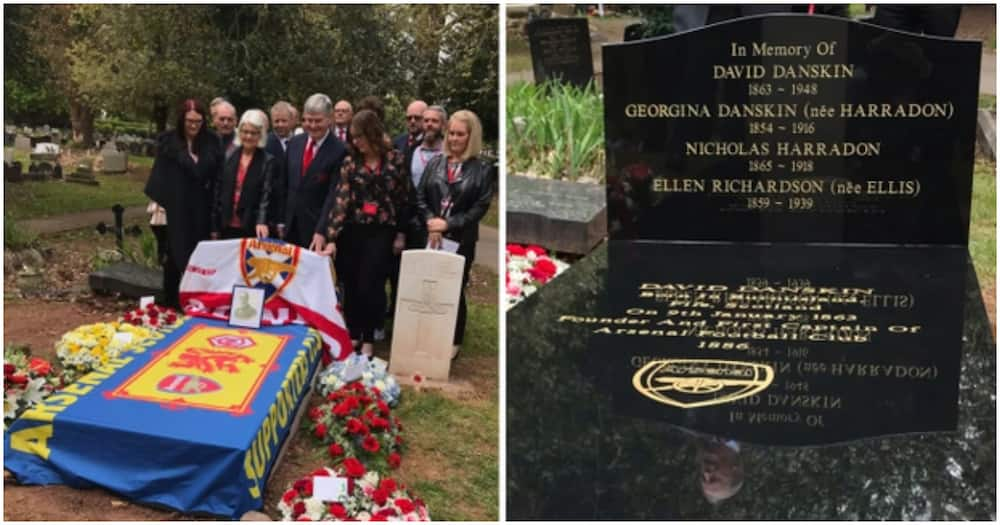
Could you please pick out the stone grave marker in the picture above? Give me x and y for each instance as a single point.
(563, 216)
(786, 271)
(44, 162)
(84, 173)
(114, 161)
(12, 169)
(22, 143)
(560, 49)
(430, 284)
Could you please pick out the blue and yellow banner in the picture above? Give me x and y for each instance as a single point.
(193, 420)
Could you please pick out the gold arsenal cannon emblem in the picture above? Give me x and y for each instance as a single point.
(692, 383)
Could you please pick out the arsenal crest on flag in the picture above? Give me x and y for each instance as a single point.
(298, 286)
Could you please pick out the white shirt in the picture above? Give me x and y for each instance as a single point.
(421, 157)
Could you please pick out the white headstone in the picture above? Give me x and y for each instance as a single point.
(46, 148)
(22, 143)
(423, 329)
(114, 161)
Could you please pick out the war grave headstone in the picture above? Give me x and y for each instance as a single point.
(114, 161)
(786, 276)
(560, 50)
(430, 284)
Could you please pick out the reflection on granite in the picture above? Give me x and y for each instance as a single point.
(572, 455)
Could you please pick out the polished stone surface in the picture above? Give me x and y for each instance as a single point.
(574, 453)
(677, 172)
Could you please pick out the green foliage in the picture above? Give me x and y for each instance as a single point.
(983, 227)
(118, 126)
(658, 20)
(987, 101)
(15, 235)
(555, 131)
(257, 54)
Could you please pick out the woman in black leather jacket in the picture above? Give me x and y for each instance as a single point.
(453, 196)
(187, 164)
(243, 194)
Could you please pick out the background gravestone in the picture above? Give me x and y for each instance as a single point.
(22, 143)
(560, 50)
(564, 216)
(84, 173)
(430, 284)
(114, 161)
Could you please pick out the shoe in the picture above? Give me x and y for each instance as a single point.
(454, 351)
(380, 334)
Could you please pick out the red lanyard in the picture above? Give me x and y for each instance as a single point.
(453, 173)
(377, 171)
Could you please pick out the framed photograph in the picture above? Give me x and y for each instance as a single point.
(247, 307)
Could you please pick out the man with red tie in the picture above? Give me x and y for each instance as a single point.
(343, 112)
(312, 164)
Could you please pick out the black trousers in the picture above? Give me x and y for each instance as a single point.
(172, 273)
(934, 20)
(462, 309)
(228, 232)
(364, 258)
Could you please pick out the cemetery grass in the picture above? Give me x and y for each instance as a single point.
(31, 200)
(982, 233)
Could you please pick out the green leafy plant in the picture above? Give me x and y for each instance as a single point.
(555, 130)
(15, 235)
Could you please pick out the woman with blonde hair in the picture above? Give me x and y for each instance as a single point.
(453, 196)
(243, 194)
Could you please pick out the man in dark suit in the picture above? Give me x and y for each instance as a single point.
(312, 172)
(342, 115)
(284, 119)
(414, 126)
(224, 121)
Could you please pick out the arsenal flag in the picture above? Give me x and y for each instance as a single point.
(298, 287)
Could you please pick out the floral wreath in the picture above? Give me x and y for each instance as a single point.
(527, 269)
(370, 497)
(87, 347)
(356, 423)
(372, 376)
(153, 317)
(26, 381)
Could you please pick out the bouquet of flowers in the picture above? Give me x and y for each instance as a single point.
(356, 424)
(89, 346)
(340, 373)
(26, 381)
(370, 497)
(527, 269)
(153, 317)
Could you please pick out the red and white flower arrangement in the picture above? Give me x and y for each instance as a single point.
(355, 423)
(529, 267)
(153, 317)
(370, 497)
(27, 381)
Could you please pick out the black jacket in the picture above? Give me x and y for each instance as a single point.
(255, 196)
(185, 189)
(470, 195)
(279, 186)
(309, 197)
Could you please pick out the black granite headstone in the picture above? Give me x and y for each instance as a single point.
(560, 50)
(788, 215)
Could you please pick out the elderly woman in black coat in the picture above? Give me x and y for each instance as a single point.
(453, 196)
(187, 164)
(242, 196)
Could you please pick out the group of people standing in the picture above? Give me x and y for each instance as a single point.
(338, 186)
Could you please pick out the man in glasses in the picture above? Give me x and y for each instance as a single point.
(407, 140)
(343, 112)
(224, 121)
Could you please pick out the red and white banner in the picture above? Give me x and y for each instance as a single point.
(298, 287)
